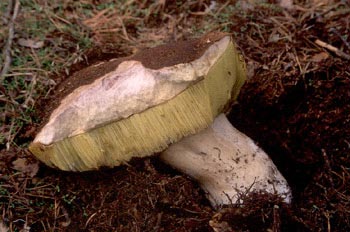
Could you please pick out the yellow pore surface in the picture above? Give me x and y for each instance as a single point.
(152, 130)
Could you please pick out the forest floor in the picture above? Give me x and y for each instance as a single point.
(295, 105)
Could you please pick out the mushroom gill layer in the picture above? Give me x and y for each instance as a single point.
(201, 90)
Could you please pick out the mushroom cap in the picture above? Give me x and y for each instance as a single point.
(136, 106)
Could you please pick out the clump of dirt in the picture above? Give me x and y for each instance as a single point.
(260, 212)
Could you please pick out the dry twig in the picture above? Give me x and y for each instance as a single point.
(332, 49)
(7, 48)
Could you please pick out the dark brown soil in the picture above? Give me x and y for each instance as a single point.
(296, 105)
(297, 108)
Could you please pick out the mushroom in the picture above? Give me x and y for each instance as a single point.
(226, 163)
(173, 94)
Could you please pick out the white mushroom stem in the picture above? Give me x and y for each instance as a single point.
(226, 163)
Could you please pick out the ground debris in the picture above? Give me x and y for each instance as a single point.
(298, 95)
(22, 165)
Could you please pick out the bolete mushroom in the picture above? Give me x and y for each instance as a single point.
(136, 106)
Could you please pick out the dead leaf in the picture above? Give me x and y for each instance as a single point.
(246, 5)
(220, 226)
(3, 227)
(252, 66)
(30, 43)
(22, 165)
(274, 38)
(286, 4)
(319, 57)
(68, 220)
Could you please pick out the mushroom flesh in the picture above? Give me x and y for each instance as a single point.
(173, 95)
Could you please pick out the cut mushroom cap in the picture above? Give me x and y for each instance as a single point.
(139, 107)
